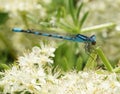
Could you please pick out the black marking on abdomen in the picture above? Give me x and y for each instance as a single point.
(50, 35)
(61, 37)
(40, 33)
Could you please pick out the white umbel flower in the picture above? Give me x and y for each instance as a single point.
(30, 77)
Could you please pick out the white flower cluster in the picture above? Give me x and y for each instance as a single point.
(30, 77)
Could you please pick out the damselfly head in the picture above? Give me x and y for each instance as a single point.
(93, 39)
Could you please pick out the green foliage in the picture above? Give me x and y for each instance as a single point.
(71, 10)
(5, 59)
(1, 89)
(65, 56)
(77, 21)
(3, 17)
(91, 62)
(7, 54)
(79, 63)
(3, 66)
(23, 15)
(104, 59)
(70, 58)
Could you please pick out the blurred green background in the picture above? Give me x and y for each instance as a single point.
(43, 15)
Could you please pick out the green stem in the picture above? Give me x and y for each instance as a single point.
(104, 59)
(98, 27)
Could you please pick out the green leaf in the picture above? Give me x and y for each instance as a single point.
(98, 27)
(65, 63)
(104, 59)
(71, 9)
(67, 27)
(79, 10)
(83, 19)
(45, 24)
(65, 56)
(91, 62)
(3, 66)
(79, 64)
(61, 12)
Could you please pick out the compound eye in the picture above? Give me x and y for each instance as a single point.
(94, 42)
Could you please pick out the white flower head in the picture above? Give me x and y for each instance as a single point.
(38, 56)
(32, 77)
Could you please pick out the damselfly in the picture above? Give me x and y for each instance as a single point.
(89, 41)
